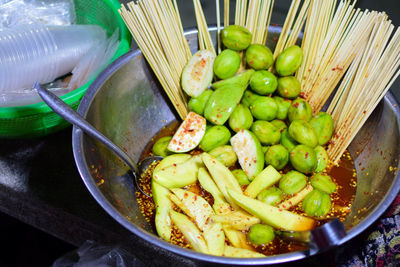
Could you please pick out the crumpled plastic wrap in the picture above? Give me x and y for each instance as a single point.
(50, 12)
(93, 254)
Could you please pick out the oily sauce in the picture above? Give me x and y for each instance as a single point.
(343, 175)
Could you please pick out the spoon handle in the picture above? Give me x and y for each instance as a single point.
(70, 115)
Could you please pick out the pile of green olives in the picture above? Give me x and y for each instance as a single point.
(266, 100)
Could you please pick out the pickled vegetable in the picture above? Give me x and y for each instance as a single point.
(259, 57)
(249, 152)
(263, 82)
(197, 75)
(225, 155)
(277, 156)
(240, 118)
(289, 87)
(287, 141)
(236, 37)
(189, 133)
(227, 64)
(323, 183)
(303, 133)
(275, 217)
(303, 158)
(289, 61)
(198, 104)
(222, 103)
(264, 108)
(323, 127)
(322, 159)
(271, 196)
(240, 80)
(160, 146)
(241, 177)
(300, 109)
(283, 107)
(266, 132)
(317, 203)
(292, 182)
(214, 137)
(261, 234)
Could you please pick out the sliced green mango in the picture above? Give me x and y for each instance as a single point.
(264, 179)
(199, 209)
(215, 239)
(222, 103)
(190, 231)
(241, 253)
(163, 206)
(275, 217)
(170, 160)
(241, 80)
(198, 73)
(180, 174)
(222, 176)
(237, 220)
(249, 152)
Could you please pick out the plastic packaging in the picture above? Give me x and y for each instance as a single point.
(43, 53)
(23, 12)
(93, 254)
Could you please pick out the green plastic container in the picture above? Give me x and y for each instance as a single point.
(38, 119)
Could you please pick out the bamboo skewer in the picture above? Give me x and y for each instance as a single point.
(343, 47)
(156, 27)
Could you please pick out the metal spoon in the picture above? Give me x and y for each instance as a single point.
(321, 238)
(70, 115)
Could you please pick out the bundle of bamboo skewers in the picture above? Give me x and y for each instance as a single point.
(345, 48)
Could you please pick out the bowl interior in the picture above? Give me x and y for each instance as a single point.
(128, 105)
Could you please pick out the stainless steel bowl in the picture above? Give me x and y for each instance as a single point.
(128, 105)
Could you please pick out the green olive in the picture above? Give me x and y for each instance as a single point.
(292, 182)
(289, 87)
(323, 182)
(215, 136)
(236, 37)
(264, 108)
(323, 127)
(241, 176)
(303, 158)
(302, 132)
(225, 155)
(300, 109)
(160, 146)
(317, 203)
(266, 132)
(322, 159)
(281, 125)
(198, 104)
(277, 156)
(289, 61)
(283, 107)
(287, 141)
(260, 234)
(227, 64)
(259, 57)
(240, 118)
(271, 196)
(249, 98)
(263, 82)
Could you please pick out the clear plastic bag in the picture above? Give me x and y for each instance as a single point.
(92, 254)
(49, 12)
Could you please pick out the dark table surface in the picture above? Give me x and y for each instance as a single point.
(40, 185)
